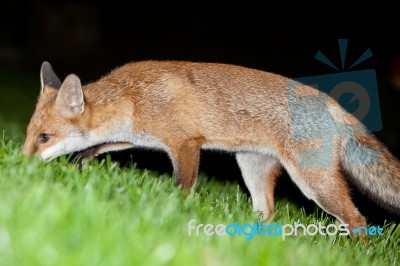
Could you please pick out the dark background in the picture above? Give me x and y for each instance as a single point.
(90, 39)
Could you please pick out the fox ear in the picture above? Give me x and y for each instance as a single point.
(48, 77)
(70, 101)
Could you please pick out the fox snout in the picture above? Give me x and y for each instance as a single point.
(28, 149)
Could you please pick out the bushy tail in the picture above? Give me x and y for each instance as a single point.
(373, 169)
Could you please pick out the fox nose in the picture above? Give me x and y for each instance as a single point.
(28, 149)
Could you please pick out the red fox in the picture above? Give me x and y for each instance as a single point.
(183, 107)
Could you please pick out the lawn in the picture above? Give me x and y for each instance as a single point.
(106, 214)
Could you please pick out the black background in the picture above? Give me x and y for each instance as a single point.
(90, 39)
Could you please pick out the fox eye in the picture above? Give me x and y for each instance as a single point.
(43, 138)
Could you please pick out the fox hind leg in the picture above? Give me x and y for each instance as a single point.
(328, 188)
(260, 172)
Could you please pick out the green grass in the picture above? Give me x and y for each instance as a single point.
(54, 214)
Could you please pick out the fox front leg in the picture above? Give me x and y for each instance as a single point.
(185, 158)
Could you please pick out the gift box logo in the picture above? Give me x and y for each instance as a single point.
(355, 91)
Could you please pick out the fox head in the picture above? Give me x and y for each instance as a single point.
(53, 130)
